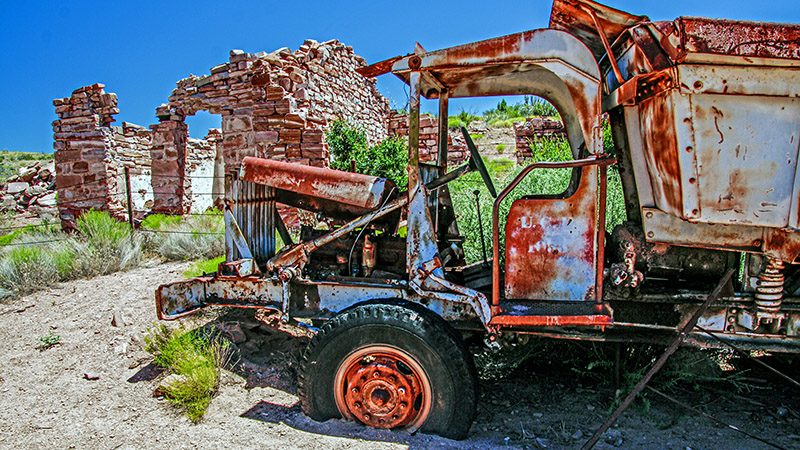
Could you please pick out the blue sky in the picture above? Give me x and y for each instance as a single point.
(139, 50)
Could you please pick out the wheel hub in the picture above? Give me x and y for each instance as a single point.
(382, 389)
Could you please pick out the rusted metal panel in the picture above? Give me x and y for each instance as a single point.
(349, 188)
(575, 17)
(747, 150)
(551, 245)
(739, 38)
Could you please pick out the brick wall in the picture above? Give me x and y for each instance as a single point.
(457, 151)
(532, 129)
(273, 105)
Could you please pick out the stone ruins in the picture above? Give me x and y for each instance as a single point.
(272, 105)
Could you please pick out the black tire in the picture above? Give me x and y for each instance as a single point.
(412, 329)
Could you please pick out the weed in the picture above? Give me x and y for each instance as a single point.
(48, 341)
(202, 267)
(194, 237)
(195, 357)
(504, 115)
(476, 136)
(25, 269)
(500, 148)
(101, 230)
(159, 221)
(463, 119)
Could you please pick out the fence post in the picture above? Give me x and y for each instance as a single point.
(128, 195)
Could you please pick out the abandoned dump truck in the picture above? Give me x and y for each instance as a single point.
(706, 125)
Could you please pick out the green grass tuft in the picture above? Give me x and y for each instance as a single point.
(195, 358)
(204, 266)
(160, 221)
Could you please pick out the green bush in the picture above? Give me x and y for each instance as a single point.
(196, 358)
(101, 230)
(345, 142)
(388, 159)
(463, 119)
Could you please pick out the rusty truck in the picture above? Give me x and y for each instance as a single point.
(705, 118)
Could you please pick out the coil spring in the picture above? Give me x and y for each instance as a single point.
(769, 291)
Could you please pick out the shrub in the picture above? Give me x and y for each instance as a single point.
(388, 159)
(193, 237)
(463, 119)
(25, 269)
(345, 142)
(196, 358)
(504, 115)
(101, 230)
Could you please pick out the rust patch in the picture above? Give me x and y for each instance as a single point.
(661, 151)
(550, 245)
(739, 38)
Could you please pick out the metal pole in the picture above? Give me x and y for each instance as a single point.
(673, 347)
(480, 223)
(128, 195)
(441, 160)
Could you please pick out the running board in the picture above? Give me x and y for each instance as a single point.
(552, 314)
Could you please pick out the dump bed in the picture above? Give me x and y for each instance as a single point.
(710, 112)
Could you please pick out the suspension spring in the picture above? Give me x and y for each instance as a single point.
(769, 291)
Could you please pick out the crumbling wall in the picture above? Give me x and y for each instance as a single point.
(535, 128)
(82, 135)
(91, 156)
(457, 151)
(273, 105)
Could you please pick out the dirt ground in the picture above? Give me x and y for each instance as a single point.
(47, 401)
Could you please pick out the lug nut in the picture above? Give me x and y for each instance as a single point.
(402, 391)
(358, 405)
(376, 374)
(354, 390)
(367, 417)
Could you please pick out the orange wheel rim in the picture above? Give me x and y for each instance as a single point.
(383, 387)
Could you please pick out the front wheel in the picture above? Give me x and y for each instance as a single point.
(390, 365)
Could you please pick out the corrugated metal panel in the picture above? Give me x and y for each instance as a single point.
(255, 212)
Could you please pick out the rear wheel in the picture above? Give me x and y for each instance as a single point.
(390, 365)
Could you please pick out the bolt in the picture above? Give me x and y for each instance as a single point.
(392, 379)
(395, 417)
(649, 215)
(367, 417)
(354, 390)
(376, 374)
(381, 420)
(402, 391)
(650, 234)
(402, 406)
(357, 405)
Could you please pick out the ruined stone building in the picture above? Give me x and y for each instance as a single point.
(272, 105)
